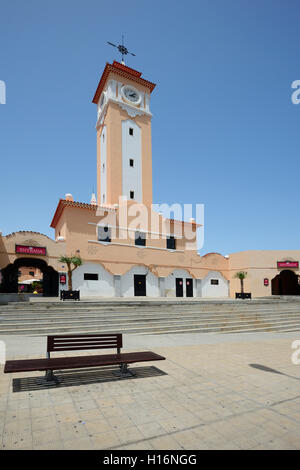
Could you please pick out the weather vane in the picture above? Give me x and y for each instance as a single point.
(122, 49)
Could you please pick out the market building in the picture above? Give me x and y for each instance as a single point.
(127, 248)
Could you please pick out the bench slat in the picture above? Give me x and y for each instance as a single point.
(58, 339)
(30, 365)
(98, 335)
(81, 342)
(82, 348)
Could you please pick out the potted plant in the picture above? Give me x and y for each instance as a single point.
(72, 263)
(37, 286)
(241, 275)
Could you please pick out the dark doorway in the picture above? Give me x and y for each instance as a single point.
(285, 283)
(139, 284)
(179, 287)
(10, 276)
(189, 287)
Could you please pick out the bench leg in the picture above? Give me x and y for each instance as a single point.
(49, 379)
(124, 371)
(49, 376)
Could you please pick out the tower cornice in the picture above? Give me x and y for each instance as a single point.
(132, 111)
(123, 71)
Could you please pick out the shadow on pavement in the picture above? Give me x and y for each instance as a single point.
(83, 377)
(273, 371)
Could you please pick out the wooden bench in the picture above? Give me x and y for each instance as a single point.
(77, 343)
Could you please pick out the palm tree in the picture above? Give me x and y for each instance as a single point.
(69, 260)
(241, 275)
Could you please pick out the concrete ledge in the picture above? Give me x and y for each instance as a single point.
(157, 300)
(12, 297)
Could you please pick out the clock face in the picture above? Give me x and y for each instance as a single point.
(131, 94)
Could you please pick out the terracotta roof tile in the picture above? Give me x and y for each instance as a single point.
(123, 71)
(81, 205)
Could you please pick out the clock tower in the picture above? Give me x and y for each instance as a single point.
(124, 157)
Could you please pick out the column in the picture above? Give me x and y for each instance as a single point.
(117, 285)
(162, 288)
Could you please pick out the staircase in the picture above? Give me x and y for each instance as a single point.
(149, 317)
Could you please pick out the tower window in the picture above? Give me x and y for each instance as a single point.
(171, 243)
(140, 239)
(103, 136)
(130, 131)
(104, 234)
(103, 167)
(131, 194)
(131, 162)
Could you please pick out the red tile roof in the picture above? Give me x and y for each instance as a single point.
(81, 205)
(123, 71)
(93, 207)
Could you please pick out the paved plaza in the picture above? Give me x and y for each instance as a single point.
(212, 392)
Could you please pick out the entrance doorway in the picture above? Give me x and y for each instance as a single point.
(285, 283)
(189, 287)
(179, 287)
(25, 269)
(139, 284)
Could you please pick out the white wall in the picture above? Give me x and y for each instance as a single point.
(131, 148)
(104, 287)
(170, 282)
(103, 171)
(127, 282)
(209, 290)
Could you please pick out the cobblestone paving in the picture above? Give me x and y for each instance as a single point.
(232, 395)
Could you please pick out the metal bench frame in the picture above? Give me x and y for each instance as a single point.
(63, 343)
(86, 342)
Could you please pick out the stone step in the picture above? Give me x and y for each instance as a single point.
(288, 330)
(37, 316)
(134, 304)
(279, 329)
(235, 329)
(178, 309)
(149, 317)
(115, 318)
(143, 313)
(154, 329)
(141, 323)
(249, 329)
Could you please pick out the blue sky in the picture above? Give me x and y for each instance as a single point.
(224, 131)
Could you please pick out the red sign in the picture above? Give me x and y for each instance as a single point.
(30, 250)
(287, 264)
(62, 278)
(266, 281)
